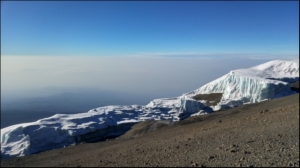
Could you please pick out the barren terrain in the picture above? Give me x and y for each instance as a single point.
(261, 134)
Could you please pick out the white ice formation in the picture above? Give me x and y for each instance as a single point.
(265, 81)
(251, 85)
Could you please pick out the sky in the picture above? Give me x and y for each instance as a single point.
(149, 28)
(155, 48)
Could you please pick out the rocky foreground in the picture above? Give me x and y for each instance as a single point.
(253, 135)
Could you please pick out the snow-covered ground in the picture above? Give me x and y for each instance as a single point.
(258, 83)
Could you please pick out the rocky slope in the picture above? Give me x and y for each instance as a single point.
(260, 134)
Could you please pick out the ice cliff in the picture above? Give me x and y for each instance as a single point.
(251, 85)
(258, 83)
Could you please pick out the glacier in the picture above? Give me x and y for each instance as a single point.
(262, 82)
(238, 90)
(251, 85)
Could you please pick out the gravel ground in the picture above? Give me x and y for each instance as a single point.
(254, 135)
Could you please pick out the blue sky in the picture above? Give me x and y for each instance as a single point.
(149, 28)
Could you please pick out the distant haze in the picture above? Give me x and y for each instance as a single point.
(28, 76)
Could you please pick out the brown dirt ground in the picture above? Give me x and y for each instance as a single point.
(212, 99)
(254, 135)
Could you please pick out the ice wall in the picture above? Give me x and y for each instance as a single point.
(251, 85)
(240, 90)
(189, 106)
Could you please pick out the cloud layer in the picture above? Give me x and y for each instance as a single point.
(159, 76)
